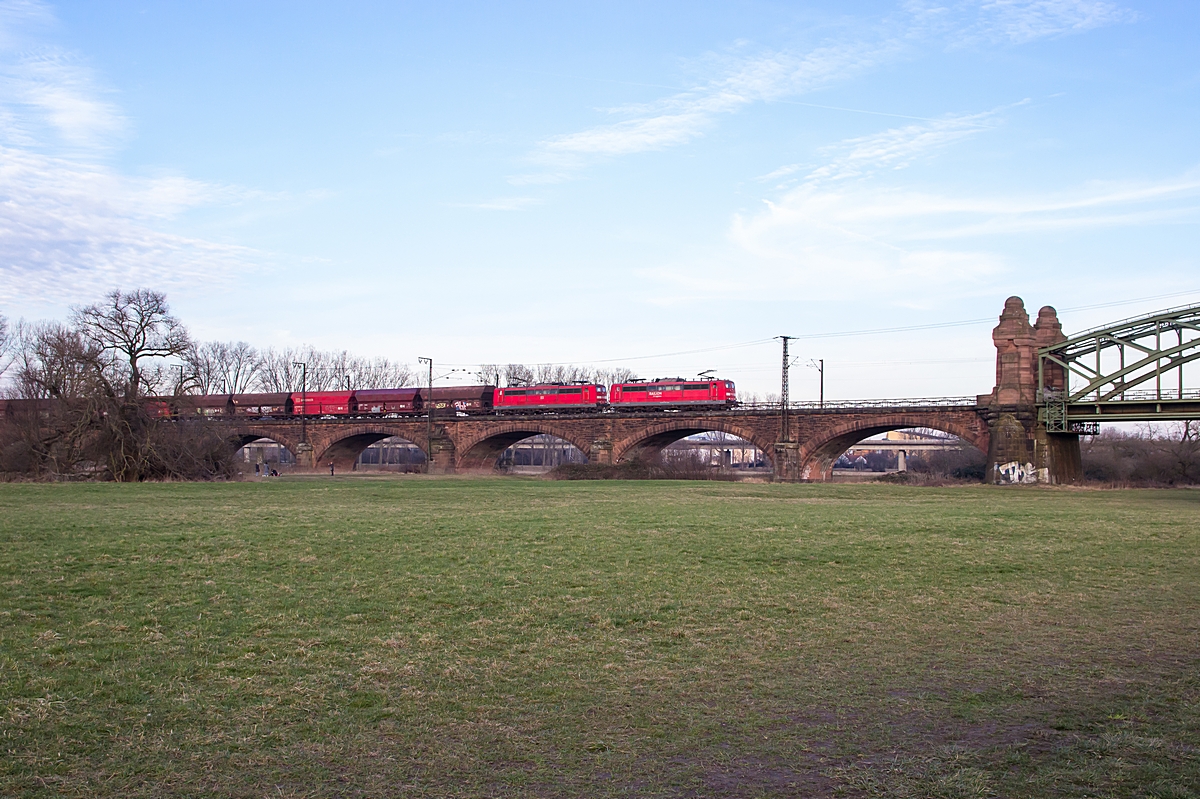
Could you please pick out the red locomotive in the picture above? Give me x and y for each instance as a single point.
(673, 393)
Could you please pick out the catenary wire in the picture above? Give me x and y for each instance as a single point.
(848, 333)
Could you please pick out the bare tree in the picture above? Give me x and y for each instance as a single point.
(336, 367)
(327, 371)
(65, 377)
(1152, 455)
(201, 362)
(518, 374)
(240, 368)
(217, 367)
(490, 374)
(55, 362)
(86, 414)
(275, 370)
(379, 373)
(1180, 447)
(616, 374)
(562, 373)
(6, 346)
(133, 327)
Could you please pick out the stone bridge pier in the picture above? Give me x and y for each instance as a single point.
(1020, 450)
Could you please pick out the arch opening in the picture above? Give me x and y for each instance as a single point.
(868, 452)
(262, 456)
(714, 449)
(691, 448)
(538, 454)
(491, 453)
(392, 454)
(345, 453)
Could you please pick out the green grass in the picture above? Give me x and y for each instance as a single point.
(500, 637)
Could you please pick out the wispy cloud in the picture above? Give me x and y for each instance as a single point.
(1015, 21)
(846, 218)
(896, 148)
(739, 81)
(70, 230)
(70, 225)
(61, 103)
(902, 217)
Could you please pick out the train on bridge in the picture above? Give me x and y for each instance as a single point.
(664, 394)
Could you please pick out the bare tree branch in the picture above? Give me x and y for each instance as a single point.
(137, 326)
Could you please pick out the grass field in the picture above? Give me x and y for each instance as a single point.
(505, 637)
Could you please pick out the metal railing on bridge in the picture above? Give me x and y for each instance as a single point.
(865, 404)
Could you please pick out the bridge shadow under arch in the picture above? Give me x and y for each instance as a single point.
(408, 456)
(654, 439)
(819, 454)
(240, 441)
(344, 452)
(482, 453)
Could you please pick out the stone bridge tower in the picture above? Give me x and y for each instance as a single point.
(1020, 449)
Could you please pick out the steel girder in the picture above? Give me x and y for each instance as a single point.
(1130, 370)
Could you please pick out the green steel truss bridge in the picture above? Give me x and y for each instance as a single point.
(1132, 370)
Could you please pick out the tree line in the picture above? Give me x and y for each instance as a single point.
(519, 374)
(96, 369)
(92, 373)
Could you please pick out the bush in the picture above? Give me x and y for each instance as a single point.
(1168, 455)
(965, 463)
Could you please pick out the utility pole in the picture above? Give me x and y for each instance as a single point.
(428, 417)
(784, 431)
(819, 365)
(303, 401)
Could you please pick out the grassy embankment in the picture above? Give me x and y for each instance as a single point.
(505, 637)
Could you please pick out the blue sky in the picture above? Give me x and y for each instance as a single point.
(604, 182)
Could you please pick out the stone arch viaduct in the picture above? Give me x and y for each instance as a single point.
(1002, 423)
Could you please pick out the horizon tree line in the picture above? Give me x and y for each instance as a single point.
(160, 358)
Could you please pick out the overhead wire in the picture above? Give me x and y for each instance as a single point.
(865, 332)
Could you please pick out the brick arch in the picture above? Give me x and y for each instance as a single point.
(242, 435)
(819, 453)
(344, 444)
(655, 437)
(481, 451)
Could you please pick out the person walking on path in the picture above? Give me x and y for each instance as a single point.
(331, 468)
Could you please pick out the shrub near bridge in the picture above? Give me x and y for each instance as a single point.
(509, 637)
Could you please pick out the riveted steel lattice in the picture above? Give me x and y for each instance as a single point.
(1056, 416)
(1128, 370)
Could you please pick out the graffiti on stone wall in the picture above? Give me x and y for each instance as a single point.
(1017, 473)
